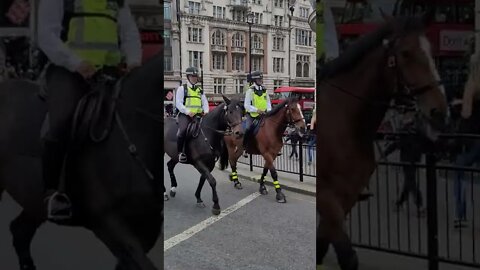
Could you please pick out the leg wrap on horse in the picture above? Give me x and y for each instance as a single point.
(264, 173)
(274, 174)
(233, 176)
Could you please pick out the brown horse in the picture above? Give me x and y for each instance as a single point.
(267, 142)
(355, 91)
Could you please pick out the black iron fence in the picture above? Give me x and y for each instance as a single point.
(295, 158)
(440, 220)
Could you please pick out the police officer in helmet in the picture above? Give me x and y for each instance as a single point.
(257, 101)
(190, 101)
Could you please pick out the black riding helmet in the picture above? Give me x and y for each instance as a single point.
(256, 75)
(191, 71)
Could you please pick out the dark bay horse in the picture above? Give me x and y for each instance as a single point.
(203, 150)
(112, 194)
(354, 93)
(268, 142)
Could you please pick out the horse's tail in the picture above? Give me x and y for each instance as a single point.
(224, 156)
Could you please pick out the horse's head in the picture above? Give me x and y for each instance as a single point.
(409, 54)
(295, 116)
(233, 115)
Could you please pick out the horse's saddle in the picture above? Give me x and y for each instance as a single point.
(94, 113)
(253, 130)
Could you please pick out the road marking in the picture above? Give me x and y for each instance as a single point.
(177, 239)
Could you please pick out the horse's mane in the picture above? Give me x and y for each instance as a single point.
(280, 106)
(359, 49)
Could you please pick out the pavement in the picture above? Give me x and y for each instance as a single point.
(259, 234)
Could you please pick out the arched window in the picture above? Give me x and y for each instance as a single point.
(218, 38)
(257, 41)
(299, 69)
(237, 40)
(306, 70)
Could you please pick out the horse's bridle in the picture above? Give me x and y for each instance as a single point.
(409, 92)
(291, 121)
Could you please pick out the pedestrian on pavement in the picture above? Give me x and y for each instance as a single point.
(294, 138)
(410, 147)
(470, 115)
(78, 40)
(190, 102)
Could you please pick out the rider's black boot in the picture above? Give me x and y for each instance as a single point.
(58, 204)
(182, 158)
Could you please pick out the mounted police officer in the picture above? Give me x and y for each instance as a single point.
(190, 102)
(257, 101)
(79, 37)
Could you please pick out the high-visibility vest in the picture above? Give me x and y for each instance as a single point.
(193, 99)
(92, 31)
(259, 102)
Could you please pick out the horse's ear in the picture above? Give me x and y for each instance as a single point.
(226, 99)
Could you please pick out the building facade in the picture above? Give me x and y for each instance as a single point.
(171, 34)
(215, 36)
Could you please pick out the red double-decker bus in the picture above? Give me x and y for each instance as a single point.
(306, 98)
(450, 31)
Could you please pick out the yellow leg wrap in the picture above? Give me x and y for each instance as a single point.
(234, 176)
(276, 184)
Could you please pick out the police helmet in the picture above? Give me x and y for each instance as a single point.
(256, 75)
(191, 71)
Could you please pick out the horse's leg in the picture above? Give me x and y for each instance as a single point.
(23, 229)
(199, 191)
(233, 158)
(331, 227)
(114, 233)
(205, 171)
(322, 242)
(262, 189)
(171, 166)
(280, 196)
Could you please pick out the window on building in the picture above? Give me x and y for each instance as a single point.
(237, 40)
(278, 3)
(257, 18)
(257, 63)
(238, 15)
(238, 84)
(195, 34)
(219, 85)
(277, 84)
(304, 12)
(167, 37)
(167, 64)
(303, 37)
(195, 59)
(219, 12)
(193, 7)
(278, 43)
(238, 62)
(303, 66)
(218, 61)
(278, 65)
(278, 20)
(257, 41)
(258, 2)
(218, 38)
(167, 15)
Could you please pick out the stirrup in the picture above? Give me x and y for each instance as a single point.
(58, 216)
(182, 158)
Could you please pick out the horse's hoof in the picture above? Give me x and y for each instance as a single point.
(173, 193)
(165, 197)
(238, 185)
(216, 212)
(281, 198)
(200, 205)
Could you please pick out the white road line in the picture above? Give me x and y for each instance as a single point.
(177, 239)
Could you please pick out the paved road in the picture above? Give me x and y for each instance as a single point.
(59, 248)
(261, 235)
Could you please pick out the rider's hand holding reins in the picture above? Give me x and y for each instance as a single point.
(191, 114)
(86, 69)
